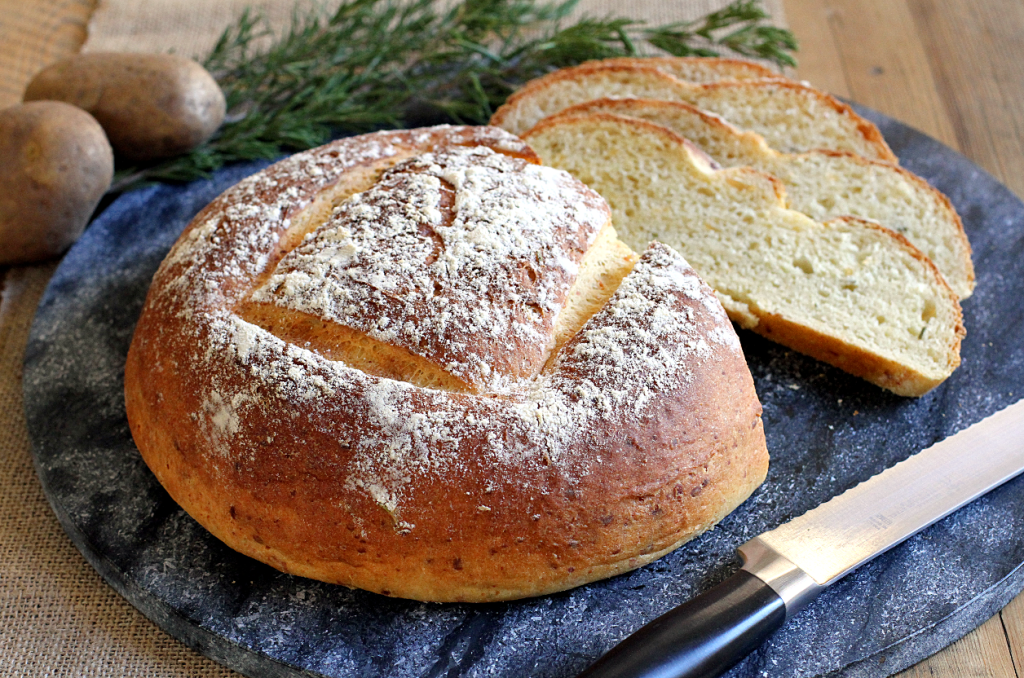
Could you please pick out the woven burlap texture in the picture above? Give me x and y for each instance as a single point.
(59, 618)
(191, 27)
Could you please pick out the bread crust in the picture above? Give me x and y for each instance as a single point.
(588, 469)
(523, 109)
(868, 131)
(696, 69)
(625, 71)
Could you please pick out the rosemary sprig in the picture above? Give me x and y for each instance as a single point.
(388, 63)
(736, 27)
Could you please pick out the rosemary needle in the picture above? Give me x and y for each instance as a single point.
(375, 64)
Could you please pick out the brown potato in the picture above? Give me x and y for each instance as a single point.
(55, 165)
(151, 105)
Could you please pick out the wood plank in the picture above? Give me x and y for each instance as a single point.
(1013, 625)
(819, 61)
(974, 51)
(980, 654)
(886, 63)
(35, 34)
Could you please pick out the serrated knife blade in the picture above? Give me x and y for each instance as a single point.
(786, 568)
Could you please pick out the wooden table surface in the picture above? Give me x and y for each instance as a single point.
(951, 68)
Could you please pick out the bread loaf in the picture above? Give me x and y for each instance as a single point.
(419, 364)
(791, 116)
(847, 292)
(823, 184)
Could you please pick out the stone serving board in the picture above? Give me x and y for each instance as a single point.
(826, 432)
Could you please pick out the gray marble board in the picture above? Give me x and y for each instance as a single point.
(826, 431)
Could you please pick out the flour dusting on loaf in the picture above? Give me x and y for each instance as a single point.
(345, 369)
(463, 256)
(639, 346)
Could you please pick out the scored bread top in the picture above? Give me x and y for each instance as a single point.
(823, 184)
(642, 431)
(793, 117)
(462, 256)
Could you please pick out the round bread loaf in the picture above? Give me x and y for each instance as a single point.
(420, 364)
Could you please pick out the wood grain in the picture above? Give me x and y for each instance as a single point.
(953, 69)
(821, 63)
(981, 654)
(1012, 617)
(35, 34)
(885, 63)
(975, 52)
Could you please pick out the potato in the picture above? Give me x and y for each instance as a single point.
(151, 105)
(55, 165)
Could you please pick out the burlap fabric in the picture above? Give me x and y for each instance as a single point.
(57, 616)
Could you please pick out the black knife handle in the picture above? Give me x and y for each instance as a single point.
(702, 638)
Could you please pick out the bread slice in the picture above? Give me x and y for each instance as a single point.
(848, 292)
(823, 184)
(791, 116)
(696, 69)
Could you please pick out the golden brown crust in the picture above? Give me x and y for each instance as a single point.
(625, 70)
(696, 69)
(867, 130)
(590, 468)
(639, 108)
(523, 109)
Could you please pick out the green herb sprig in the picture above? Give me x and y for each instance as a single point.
(736, 27)
(374, 64)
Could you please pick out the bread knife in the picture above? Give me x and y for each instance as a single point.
(786, 568)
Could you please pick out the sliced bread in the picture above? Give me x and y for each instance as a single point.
(848, 292)
(696, 69)
(823, 184)
(791, 116)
